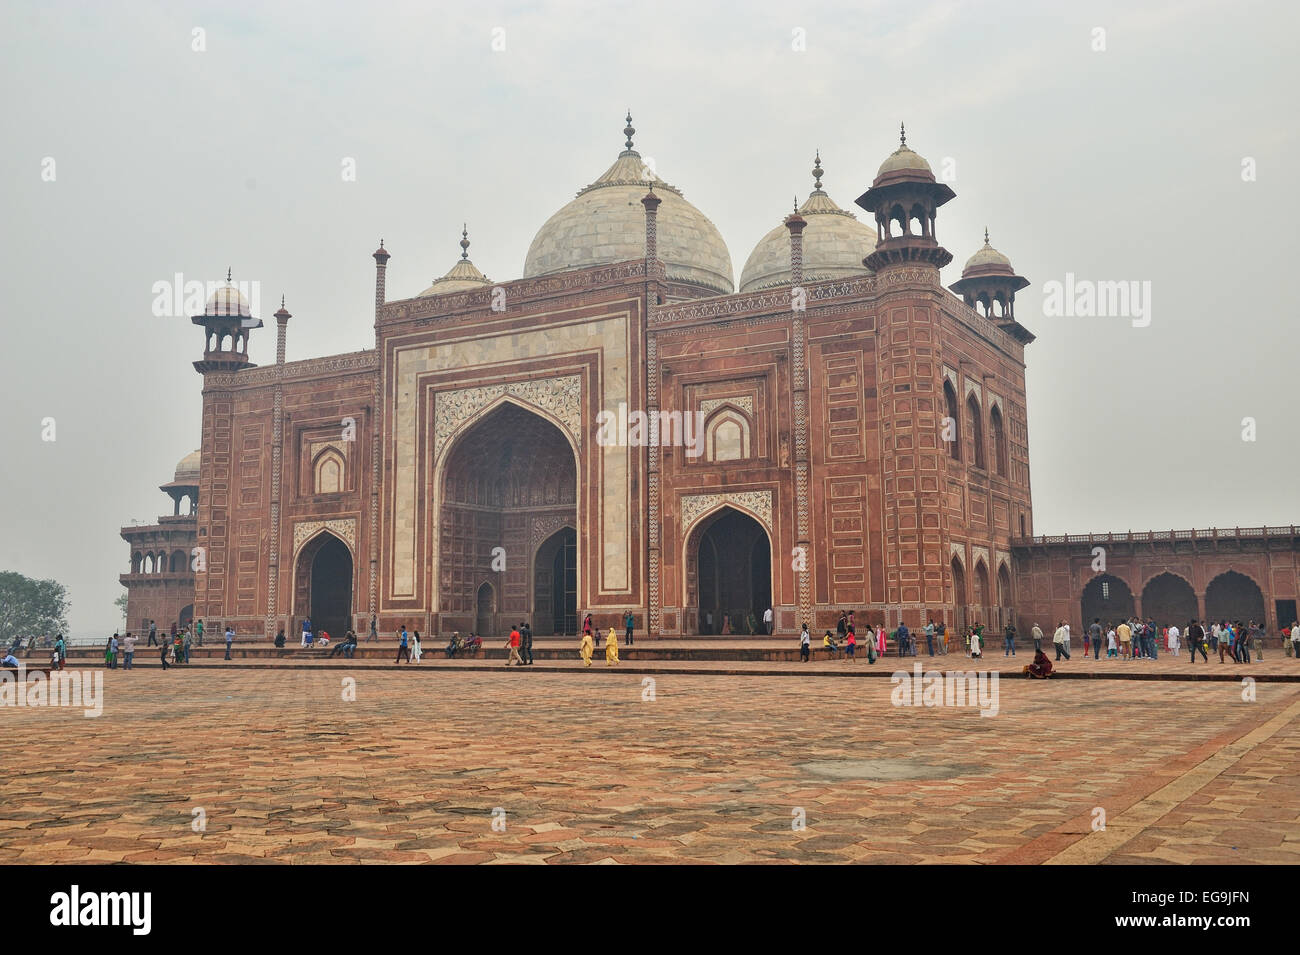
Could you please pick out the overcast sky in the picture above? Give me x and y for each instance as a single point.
(1117, 164)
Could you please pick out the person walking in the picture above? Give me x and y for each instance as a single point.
(230, 639)
(629, 623)
(1125, 634)
(374, 630)
(976, 645)
(1061, 640)
(941, 632)
(403, 648)
(128, 652)
(905, 639)
(805, 645)
(1112, 642)
(307, 639)
(1010, 634)
(414, 655)
(1094, 632)
(767, 621)
(850, 645)
(187, 642)
(611, 648)
(61, 651)
(1037, 634)
(512, 644)
(586, 648)
(526, 643)
(929, 635)
(164, 651)
(198, 631)
(153, 634)
(1174, 638)
(1257, 640)
(110, 657)
(1196, 641)
(1295, 638)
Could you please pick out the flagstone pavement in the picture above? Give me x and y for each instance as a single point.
(225, 765)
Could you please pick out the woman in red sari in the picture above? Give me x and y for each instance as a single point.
(1041, 668)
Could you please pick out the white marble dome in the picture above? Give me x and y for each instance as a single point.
(605, 223)
(834, 245)
(987, 259)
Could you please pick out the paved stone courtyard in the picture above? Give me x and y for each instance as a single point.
(713, 769)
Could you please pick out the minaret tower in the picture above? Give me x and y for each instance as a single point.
(989, 284)
(225, 316)
(905, 194)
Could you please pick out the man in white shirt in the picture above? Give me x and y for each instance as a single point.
(1173, 640)
(1062, 640)
(767, 621)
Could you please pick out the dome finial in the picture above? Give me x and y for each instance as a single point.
(818, 171)
(282, 300)
(902, 136)
(227, 275)
(628, 131)
(986, 235)
(464, 240)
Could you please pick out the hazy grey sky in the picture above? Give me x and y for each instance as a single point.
(1122, 164)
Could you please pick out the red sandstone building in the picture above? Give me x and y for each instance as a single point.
(160, 584)
(862, 437)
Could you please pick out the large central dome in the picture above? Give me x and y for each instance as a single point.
(606, 223)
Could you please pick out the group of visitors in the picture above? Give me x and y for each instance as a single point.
(520, 645)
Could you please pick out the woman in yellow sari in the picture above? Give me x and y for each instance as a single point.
(586, 648)
(611, 647)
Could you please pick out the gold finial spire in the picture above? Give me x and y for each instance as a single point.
(464, 240)
(227, 275)
(902, 136)
(628, 131)
(986, 235)
(818, 171)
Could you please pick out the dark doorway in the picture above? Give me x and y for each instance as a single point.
(1169, 600)
(331, 587)
(1106, 597)
(555, 584)
(734, 572)
(1233, 596)
(1286, 613)
(484, 625)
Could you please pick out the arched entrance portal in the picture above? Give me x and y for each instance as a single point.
(507, 482)
(1233, 596)
(1169, 600)
(729, 572)
(555, 584)
(323, 585)
(1107, 597)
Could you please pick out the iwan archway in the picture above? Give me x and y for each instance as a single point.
(505, 486)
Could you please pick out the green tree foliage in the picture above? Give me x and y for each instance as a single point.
(31, 606)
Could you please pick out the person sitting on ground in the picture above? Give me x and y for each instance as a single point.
(1041, 668)
(279, 638)
(830, 643)
(10, 661)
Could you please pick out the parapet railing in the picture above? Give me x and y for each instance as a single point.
(1137, 537)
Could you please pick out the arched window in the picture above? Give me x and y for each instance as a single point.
(136, 561)
(726, 436)
(999, 441)
(148, 563)
(328, 472)
(976, 430)
(951, 431)
(177, 565)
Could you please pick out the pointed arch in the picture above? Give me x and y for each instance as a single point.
(975, 424)
(329, 472)
(727, 567)
(953, 423)
(727, 434)
(998, 431)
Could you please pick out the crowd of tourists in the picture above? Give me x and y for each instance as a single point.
(1135, 639)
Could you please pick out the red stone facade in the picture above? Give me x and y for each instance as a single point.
(864, 446)
(160, 583)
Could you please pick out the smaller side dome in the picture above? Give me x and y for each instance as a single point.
(987, 261)
(227, 300)
(903, 162)
(187, 469)
(461, 276)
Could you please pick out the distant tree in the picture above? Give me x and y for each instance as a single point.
(31, 606)
(120, 604)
